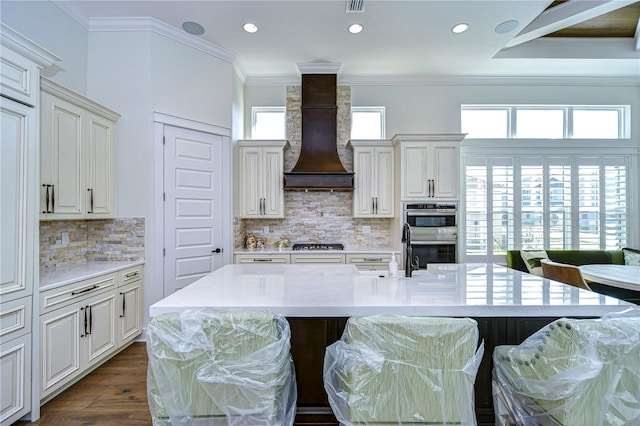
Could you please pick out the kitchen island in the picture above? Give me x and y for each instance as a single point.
(318, 299)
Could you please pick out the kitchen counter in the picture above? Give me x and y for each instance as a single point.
(346, 250)
(63, 274)
(478, 290)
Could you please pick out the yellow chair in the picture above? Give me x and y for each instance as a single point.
(568, 274)
(220, 368)
(571, 372)
(390, 370)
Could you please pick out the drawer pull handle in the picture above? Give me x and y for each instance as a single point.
(262, 260)
(131, 274)
(373, 260)
(124, 306)
(93, 287)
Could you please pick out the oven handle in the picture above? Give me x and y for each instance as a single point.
(430, 213)
(433, 242)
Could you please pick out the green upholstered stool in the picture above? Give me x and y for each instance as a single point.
(390, 370)
(571, 372)
(208, 367)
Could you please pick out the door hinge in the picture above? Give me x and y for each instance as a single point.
(164, 252)
(164, 140)
(164, 196)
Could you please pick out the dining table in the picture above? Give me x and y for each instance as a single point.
(620, 276)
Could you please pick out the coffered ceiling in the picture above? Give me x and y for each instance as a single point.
(402, 41)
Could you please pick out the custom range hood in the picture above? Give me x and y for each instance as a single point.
(319, 166)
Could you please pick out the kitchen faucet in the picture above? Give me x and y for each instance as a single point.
(409, 266)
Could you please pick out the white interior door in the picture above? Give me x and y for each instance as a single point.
(192, 205)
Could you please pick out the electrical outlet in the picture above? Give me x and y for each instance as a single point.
(265, 229)
(366, 229)
(64, 238)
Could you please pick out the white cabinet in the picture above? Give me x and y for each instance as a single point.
(370, 261)
(76, 156)
(261, 178)
(429, 166)
(373, 165)
(130, 304)
(86, 322)
(20, 63)
(262, 258)
(317, 258)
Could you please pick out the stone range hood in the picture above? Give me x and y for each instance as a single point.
(319, 167)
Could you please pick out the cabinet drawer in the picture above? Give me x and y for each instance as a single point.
(15, 318)
(262, 258)
(317, 258)
(70, 293)
(130, 275)
(369, 258)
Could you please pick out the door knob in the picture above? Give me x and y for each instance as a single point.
(218, 250)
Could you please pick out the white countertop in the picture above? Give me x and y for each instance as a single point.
(69, 273)
(480, 290)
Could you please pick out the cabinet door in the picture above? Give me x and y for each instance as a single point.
(414, 176)
(363, 193)
(61, 159)
(272, 181)
(17, 126)
(445, 169)
(384, 182)
(130, 311)
(60, 333)
(15, 370)
(99, 167)
(101, 338)
(250, 183)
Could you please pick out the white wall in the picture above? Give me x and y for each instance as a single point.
(261, 96)
(237, 132)
(46, 24)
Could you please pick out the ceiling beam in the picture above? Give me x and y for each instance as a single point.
(565, 15)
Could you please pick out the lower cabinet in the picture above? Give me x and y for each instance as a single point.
(75, 338)
(317, 258)
(15, 370)
(85, 323)
(262, 258)
(370, 262)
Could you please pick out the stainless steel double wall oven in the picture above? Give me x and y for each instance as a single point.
(434, 231)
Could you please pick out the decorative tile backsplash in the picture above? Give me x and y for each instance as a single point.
(321, 217)
(91, 240)
(317, 216)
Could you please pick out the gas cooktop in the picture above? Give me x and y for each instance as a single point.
(317, 246)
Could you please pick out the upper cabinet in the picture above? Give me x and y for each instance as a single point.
(76, 156)
(261, 178)
(373, 195)
(429, 166)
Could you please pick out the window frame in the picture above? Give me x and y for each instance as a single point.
(379, 109)
(624, 117)
(272, 109)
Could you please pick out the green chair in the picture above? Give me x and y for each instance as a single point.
(390, 370)
(220, 368)
(571, 372)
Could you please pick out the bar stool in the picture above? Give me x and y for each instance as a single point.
(220, 368)
(571, 372)
(404, 370)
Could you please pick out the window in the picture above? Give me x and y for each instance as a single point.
(545, 121)
(367, 123)
(268, 123)
(556, 202)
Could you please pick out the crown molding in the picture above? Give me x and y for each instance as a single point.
(416, 80)
(158, 27)
(15, 41)
(319, 67)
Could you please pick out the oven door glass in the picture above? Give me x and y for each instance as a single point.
(441, 252)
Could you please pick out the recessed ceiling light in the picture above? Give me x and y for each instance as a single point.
(250, 27)
(355, 28)
(507, 26)
(460, 28)
(192, 28)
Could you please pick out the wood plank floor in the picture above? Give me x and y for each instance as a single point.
(114, 394)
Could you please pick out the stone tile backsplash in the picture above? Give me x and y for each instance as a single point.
(91, 240)
(320, 217)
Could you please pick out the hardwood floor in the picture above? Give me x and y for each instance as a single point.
(113, 394)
